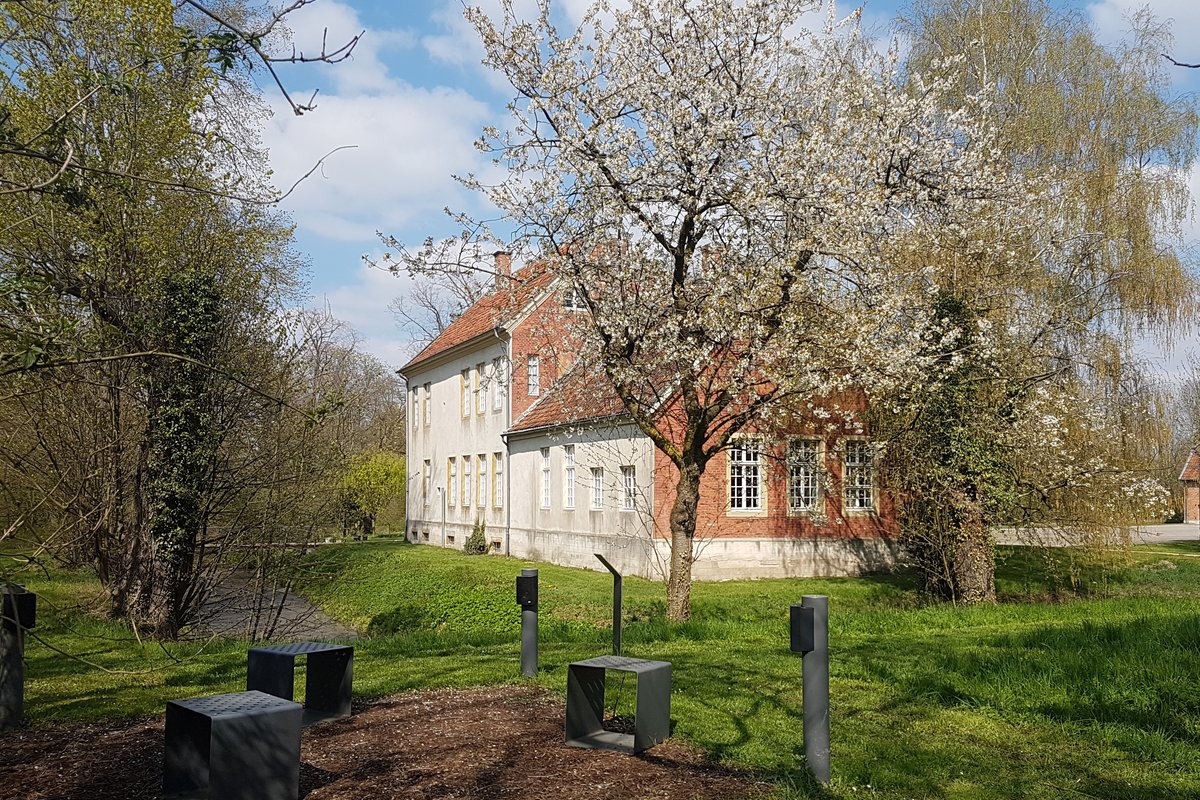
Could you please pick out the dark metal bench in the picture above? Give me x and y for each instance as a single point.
(585, 704)
(240, 746)
(327, 683)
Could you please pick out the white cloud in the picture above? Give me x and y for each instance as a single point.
(406, 145)
(403, 145)
(363, 303)
(459, 44)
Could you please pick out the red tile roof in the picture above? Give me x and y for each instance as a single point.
(1191, 468)
(493, 310)
(581, 395)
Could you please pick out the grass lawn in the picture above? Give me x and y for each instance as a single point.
(1037, 697)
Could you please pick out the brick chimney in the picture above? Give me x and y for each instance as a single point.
(503, 263)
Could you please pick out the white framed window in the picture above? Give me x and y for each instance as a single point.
(466, 481)
(573, 300)
(597, 488)
(477, 378)
(425, 394)
(533, 370)
(629, 487)
(483, 484)
(414, 413)
(745, 476)
(804, 474)
(497, 385)
(545, 477)
(464, 385)
(858, 475)
(569, 476)
(498, 480)
(426, 481)
(452, 480)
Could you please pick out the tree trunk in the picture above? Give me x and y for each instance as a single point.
(683, 532)
(974, 556)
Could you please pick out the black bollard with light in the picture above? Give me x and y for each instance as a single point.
(527, 598)
(810, 636)
(18, 613)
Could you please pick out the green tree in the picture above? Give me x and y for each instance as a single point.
(372, 482)
(1039, 417)
(146, 357)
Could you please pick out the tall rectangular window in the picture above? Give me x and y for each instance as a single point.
(533, 368)
(497, 386)
(629, 487)
(483, 484)
(414, 413)
(597, 488)
(545, 477)
(425, 399)
(466, 481)
(859, 475)
(498, 480)
(426, 480)
(464, 385)
(569, 476)
(452, 481)
(803, 474)
(744, 475)
(477, 387)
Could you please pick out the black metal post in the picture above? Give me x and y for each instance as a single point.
(617, 600)
(17, 613)
(527, 597)
(815, 668)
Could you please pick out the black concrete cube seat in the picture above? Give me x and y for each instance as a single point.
(239, 746)
(585, 704)
(326, 686)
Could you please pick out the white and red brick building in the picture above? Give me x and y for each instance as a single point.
(505, 429)
(1189, 476)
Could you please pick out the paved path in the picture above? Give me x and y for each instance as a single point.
(230, 612)
(1145, 534)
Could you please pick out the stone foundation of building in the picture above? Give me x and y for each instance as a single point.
(723, 558)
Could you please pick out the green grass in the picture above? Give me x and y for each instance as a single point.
(1093, 691)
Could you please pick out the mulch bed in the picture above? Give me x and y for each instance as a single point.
(500, 742)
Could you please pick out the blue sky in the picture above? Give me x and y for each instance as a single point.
(412, 100)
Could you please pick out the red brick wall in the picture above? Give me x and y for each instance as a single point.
(1191, 502)
(546, 333)
(714, 519)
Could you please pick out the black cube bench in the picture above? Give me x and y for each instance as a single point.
(239, 746)
(326, 686)
(585, 704)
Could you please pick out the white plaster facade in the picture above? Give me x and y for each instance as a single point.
(441, 437)
(573, 525)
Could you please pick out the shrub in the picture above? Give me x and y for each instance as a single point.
(477, 543)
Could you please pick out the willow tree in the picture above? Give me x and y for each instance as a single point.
(726, 192)
(1041, 418)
